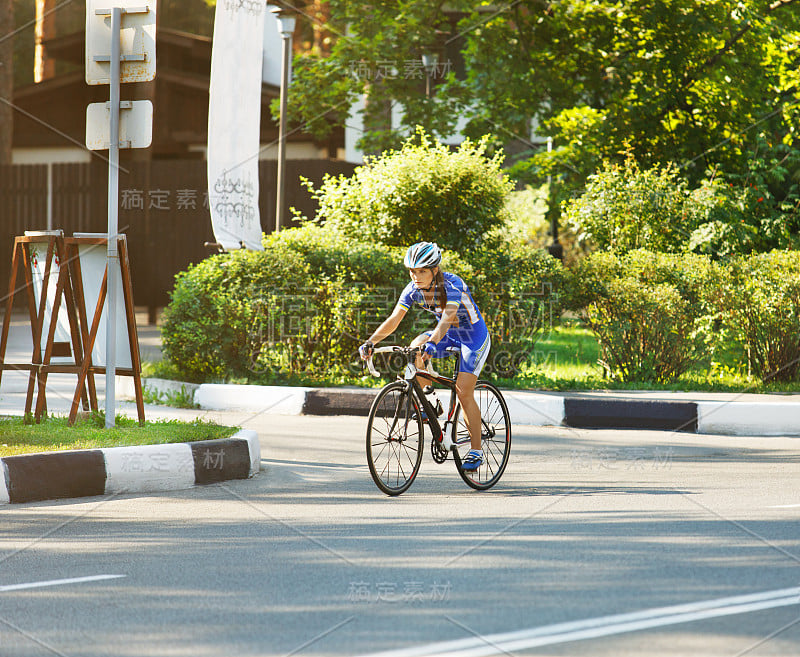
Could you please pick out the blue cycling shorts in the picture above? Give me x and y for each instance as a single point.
(474, 350)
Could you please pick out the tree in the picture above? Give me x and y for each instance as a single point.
(377, 51)
(695, 82)
(671, 81)
(6, 79)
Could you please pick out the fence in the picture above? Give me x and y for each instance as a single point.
(163, 210)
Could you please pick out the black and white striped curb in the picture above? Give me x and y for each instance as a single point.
(140, 469)
(719, 416)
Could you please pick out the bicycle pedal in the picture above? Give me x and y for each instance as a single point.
(438, 453)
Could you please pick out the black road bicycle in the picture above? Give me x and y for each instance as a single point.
(395, 428)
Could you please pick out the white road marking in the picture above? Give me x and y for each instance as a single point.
(57, 582)
(784, 506)
(591, 628)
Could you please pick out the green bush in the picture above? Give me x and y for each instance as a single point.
(328, 252)
(625, 208)
(210, 325)
(422, 192)
(645, 332)
(725, 219)
(649, 311)
(302, 306)
(519, 293)
(760, 303)
(693, 275)
(753, 210)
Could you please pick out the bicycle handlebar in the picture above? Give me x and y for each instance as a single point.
(386, 350)
(399, 349)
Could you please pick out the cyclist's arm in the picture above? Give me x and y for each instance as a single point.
(449, 317)
(389, 325)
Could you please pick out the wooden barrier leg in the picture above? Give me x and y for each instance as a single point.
(61, 285)
(74, 330)
(87, 351)
(12, 282)
(37, 320)
(133, 337)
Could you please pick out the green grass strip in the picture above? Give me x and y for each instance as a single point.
(22, 436)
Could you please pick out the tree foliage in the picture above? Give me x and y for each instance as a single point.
(705, 84)
(376, 50)
(688, 81)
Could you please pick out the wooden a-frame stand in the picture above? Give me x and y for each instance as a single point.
(26, 252)
(65, 254)
(89, 331)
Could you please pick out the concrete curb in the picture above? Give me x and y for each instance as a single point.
(749, 418)
(607, 411)
(140, 469)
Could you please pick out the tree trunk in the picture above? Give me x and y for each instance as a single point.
(6, 79)
(43, 66)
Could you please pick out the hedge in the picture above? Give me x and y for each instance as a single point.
(304, 304)
(657, 315)
(760, 302)
(648, 311)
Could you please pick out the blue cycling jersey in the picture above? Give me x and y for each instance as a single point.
(457, 292)
(470, 335)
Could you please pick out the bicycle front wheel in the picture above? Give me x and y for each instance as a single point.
(394, 439)
(495, 437)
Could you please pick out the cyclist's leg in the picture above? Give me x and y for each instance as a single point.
(465, 390)
(473, 356)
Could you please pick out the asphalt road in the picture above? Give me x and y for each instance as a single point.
(602, 543)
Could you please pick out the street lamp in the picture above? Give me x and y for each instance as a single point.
(429, 61)
(286, 22)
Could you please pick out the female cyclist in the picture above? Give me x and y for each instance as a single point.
(460, 325)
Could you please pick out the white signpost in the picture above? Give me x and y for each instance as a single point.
(120, 48)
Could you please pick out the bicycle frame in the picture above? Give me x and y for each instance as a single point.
(439, 433)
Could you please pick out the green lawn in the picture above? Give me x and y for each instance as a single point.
(567, 359)
(20, 437)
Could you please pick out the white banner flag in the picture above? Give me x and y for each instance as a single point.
(234, 117)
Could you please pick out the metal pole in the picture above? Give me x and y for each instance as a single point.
(49, 196)
(555, 249)
(112, 259)
(279, 213)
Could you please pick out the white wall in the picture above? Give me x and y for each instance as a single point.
(354, 128)
(50, 155)
(301, 151)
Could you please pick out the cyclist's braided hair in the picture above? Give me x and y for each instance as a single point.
(438, 281)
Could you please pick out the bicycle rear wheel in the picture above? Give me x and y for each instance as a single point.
(394, 439)
(495, 437)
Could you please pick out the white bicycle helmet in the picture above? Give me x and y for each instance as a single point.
(422, 254)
